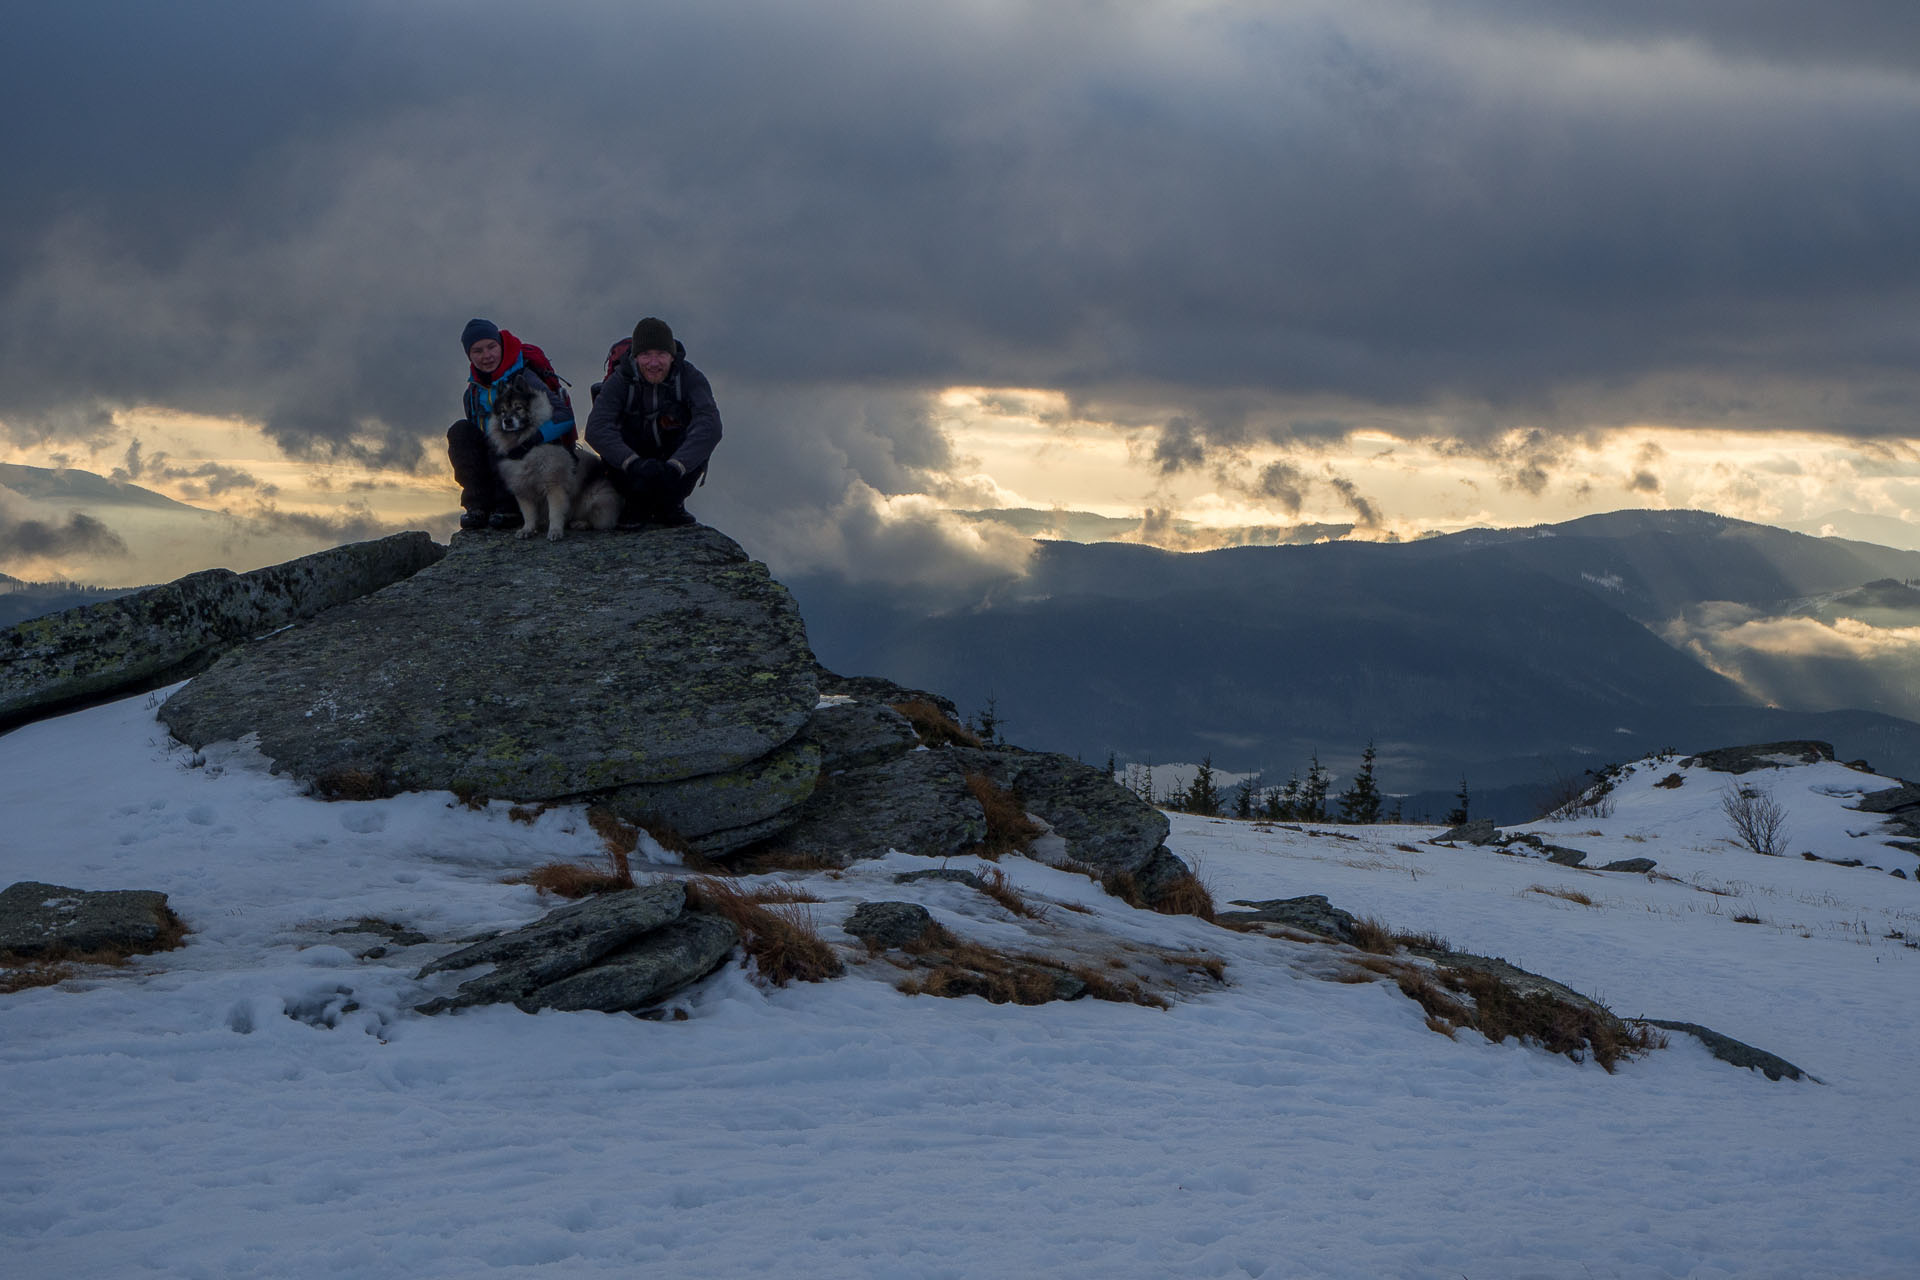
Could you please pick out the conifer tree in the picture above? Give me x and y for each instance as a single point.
(1313, 792)
(1360, 802)
(1243, 803)
(1284, 805)
(1141, 777)
(1202, 795)
(1458, 814)
(986, 721)
(1111, 765)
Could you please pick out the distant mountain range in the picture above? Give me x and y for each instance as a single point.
(1504, 656)
(72, 485)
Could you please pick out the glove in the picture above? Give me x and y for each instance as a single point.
(654, 477)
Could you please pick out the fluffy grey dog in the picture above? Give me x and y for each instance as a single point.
(568, 487)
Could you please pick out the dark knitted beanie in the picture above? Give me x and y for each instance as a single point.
(652, 335)
(478, 330)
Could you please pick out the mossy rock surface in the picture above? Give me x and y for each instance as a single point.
(145, 639)
(526, 669)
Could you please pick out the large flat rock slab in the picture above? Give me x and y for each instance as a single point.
(152, 637)
(527, 669)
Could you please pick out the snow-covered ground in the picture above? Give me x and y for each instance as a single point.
(261, 1102)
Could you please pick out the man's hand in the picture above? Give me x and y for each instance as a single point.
(654, 477)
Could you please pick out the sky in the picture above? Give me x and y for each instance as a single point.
(265, 1102)
(1228, 271)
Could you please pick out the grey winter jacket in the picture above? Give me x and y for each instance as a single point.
(676, 420)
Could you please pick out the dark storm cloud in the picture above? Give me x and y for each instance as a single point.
(31, 539)
(1283, 483)
(1362, 507)
(1545, 212)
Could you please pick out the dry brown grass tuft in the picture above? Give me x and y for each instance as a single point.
(1419, 986)
(1101, 987)
(1370, 935)
(574, 879)
(354, 784)
(1423, 942)
(767, 895)
(781, 940)
(1555, 891)
(528, 814)
(1213, 966)
(1497, 1012)
(620, 838)
(994, 883)
(32, 973)
(578, 879)
(955, 967)
(1187, 896)
(935, 727)
(1009, 829)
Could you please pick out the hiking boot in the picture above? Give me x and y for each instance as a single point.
(678, 517)
(505, 520)
(473, 518)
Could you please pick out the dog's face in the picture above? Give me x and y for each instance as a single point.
(517, 410)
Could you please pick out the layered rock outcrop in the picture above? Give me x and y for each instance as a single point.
(665, 676)
(141, 641)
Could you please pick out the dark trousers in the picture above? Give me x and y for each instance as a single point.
(474, 469)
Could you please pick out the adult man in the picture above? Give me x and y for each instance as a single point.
(496, 358)
(655, 424)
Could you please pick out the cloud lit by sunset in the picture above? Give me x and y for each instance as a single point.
(1204, 273)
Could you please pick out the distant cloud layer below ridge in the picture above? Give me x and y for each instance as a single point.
(1226, 227)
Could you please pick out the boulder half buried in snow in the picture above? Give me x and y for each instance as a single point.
(40, 920)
